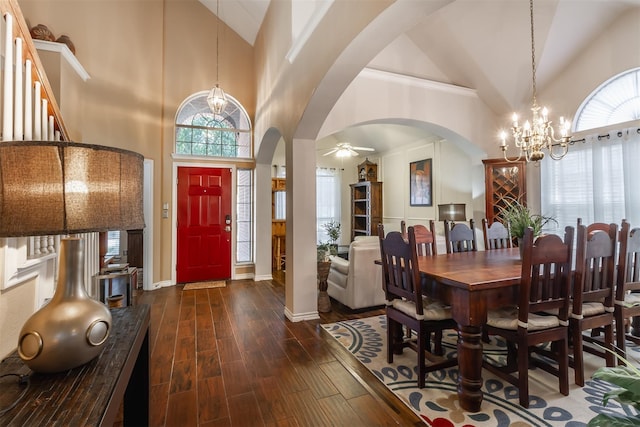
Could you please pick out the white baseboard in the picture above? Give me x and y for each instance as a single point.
(162, 284)
(312, 315)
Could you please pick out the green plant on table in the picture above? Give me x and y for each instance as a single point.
(519, 217)
(333, 231)
(627, 377)
(324, 250)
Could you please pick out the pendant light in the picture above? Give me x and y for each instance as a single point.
(217, 99)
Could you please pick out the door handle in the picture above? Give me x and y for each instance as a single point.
(227, 228)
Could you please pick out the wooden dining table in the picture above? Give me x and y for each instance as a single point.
(472, 283)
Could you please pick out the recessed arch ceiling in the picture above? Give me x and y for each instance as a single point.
(483, 44)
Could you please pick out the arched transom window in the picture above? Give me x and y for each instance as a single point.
(616, 101)
(200, 132)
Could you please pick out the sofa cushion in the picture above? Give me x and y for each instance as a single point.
(339, 264)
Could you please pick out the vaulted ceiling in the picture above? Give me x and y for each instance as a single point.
(484, 44)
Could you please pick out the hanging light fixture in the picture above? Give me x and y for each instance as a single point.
(216, 98)
(534, 136)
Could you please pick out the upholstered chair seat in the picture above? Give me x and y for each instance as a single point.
(507, 318)
(432, 310)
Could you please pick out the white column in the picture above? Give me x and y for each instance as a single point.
(301, 294)
(37, 113)
(28, 102)
(17, 98)
(7, 104)
(263, 221)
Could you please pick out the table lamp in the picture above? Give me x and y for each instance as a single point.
(53, 187)
(452, 212)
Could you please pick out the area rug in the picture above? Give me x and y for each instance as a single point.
(205, 285)
(437, 403)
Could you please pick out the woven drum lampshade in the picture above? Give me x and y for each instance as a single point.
(452, 212)
(63, 188)
(52, 187)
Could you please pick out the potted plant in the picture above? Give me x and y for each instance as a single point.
(519, 217)
(324, 265)
(333, 231)
(323, 251)
(627, 377)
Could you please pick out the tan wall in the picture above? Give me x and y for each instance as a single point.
(144, 59)
(16, 305)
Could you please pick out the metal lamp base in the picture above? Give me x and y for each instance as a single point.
(72, 328)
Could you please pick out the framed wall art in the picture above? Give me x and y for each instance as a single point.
(420, 179)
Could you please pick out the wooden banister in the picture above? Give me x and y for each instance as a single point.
(20, 29)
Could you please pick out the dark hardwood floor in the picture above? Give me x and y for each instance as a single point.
(229, 357)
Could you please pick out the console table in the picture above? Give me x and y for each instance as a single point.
(91, 394)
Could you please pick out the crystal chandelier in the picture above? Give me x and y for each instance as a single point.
(534, 136)
(216, 98)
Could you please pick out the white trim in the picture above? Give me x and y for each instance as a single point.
(403, 79)
(162, 284)
(262, 277)
(147, 233)
(29, 270)
(66, 53)
(312, 315)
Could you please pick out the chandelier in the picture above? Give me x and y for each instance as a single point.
(216, 98)
(534, 136)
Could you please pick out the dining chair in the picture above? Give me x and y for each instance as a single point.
(544, 288)
(460, 237)
(496, 235)
(426, 239)
(426, 246)
(407, 306)
(627, 300)
(593, 294)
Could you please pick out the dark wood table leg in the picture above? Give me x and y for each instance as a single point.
(470, 367)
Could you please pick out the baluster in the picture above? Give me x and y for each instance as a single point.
(36, 246)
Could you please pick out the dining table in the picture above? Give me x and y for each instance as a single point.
(472, 283)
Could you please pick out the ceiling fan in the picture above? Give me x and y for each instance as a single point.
(345, 149)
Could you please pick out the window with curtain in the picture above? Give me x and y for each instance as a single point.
(113, 243)
(596, 180)
(328, 196)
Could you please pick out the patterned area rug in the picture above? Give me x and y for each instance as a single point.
(205, 285)
(437, 403)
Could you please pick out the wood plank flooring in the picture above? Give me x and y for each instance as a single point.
(229, 357)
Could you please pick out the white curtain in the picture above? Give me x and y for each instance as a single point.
(327, 199)
(598, 181)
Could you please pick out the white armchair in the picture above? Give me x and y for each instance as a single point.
(357, 283)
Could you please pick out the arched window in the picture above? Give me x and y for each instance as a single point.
(200, 132)
(595, 181)
(616, 101)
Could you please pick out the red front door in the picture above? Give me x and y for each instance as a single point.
(204, 224)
